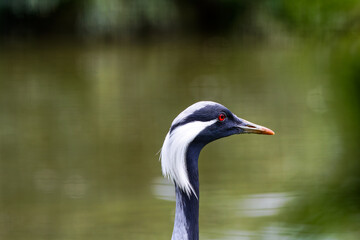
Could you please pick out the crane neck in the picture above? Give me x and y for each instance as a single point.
(186, 226)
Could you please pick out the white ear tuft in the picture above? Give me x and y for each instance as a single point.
(173, 153)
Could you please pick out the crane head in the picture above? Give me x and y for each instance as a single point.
(201, 123)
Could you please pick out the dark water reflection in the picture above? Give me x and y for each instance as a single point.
(81, 127)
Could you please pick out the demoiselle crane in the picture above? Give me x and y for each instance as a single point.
(198, 125)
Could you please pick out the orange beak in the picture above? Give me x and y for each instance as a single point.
(250, 127)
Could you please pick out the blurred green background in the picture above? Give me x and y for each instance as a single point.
(88, 90)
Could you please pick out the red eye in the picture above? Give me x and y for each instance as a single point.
(221, 117)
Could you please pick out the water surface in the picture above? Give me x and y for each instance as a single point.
(81, 126)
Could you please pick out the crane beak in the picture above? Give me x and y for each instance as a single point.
(249, 127)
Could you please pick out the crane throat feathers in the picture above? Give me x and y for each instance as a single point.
(173, 153)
